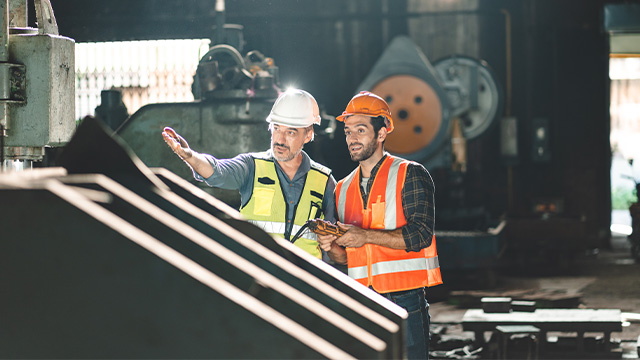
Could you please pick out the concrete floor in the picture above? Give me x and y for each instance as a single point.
(609, 279)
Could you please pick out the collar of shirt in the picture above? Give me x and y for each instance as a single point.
(374, 171)
(302, 171)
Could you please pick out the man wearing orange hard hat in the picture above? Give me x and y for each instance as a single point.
(386, 206)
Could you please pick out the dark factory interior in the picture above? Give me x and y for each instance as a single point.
(526, 114)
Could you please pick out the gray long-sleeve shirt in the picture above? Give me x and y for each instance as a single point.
(238, 173)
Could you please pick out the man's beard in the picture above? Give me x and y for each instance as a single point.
(367, 151)
(285, 157)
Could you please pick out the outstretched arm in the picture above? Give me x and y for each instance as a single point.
(195, 160)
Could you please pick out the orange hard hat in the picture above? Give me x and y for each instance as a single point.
(368, 104)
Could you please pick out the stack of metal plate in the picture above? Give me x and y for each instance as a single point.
(103, 257)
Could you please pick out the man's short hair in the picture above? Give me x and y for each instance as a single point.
(378, 123)
(313, 133)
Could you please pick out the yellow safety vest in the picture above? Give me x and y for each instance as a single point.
(267, 207)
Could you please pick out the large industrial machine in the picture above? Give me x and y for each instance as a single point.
(437, 109)
(37, 85)
(457, 97)
(233, 95)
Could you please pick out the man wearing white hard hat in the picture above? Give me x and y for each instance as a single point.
(280, 188)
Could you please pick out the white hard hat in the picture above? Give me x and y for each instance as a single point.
(295, 108)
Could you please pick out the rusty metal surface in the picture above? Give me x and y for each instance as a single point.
(17, 13)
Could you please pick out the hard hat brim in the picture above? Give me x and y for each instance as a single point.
(388, 122)
(342, 117)
(293, 123)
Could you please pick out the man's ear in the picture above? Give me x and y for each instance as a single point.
(308, 136)
(382, 134)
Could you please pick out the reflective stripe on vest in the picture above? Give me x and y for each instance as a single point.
(385, 269)
(341, 191)
(390, 196)
(278, 228)
(267, 207)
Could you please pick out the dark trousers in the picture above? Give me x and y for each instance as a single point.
(417, 331)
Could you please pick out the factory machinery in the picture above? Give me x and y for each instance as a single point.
(440, 109)
(104, 257)
(37, 85)
(234, 95)
(436, 108)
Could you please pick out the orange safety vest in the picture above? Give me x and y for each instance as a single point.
(383, 268)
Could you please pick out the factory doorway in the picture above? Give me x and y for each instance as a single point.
(624, 74)
(622, 23)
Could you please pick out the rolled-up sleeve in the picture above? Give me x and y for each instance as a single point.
(229, 173)
(418, 205)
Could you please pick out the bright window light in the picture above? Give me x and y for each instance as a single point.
(621, 229)
(144, 71)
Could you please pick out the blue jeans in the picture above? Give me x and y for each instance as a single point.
(417, 331)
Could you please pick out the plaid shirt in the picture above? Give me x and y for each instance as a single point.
(417, 204)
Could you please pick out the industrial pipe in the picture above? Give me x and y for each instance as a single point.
(4, 40)
(507, 24)
(220, 20)
(4, 57)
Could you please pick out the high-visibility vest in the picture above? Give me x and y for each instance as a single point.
(383, 268)
(267, 208)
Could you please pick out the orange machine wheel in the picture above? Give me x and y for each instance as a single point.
(416, 110)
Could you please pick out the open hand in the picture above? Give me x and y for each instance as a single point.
(177, 143)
